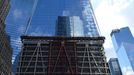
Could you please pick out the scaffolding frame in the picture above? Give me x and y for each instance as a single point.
(64, 55)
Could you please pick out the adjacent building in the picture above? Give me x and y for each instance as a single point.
(123, 42)
(114, 66)
(5, 48)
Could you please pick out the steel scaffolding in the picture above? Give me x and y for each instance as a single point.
(62, 56)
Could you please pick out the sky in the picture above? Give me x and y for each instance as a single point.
(113, 14)
(110, 14)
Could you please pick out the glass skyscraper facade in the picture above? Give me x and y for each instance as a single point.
(121, 35)
(62, 26)
(46, 13)
(76, 26)
(90, 25)
(70, 26)
(123, 42)
(114, 66)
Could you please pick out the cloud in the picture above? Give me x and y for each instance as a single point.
(17, 14)
(16, 44)
(130, 73)
(66, 13)
(110, 53)
(109, 16)
(38, 32)
(119, 5)
(21, 29)
(128, 70)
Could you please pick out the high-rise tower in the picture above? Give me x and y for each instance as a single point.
(73, 51)
(5, 48)
(123, 42)
(114, 66)
(45, 15)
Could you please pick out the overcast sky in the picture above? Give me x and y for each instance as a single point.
(113, 14)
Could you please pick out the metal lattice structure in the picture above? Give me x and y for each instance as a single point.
(62, 56)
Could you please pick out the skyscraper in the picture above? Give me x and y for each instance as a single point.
(123, 42)
(121, 35)
(114, 66)
(5, 48)
(73, 51)
(70, 26)
(45, 16)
